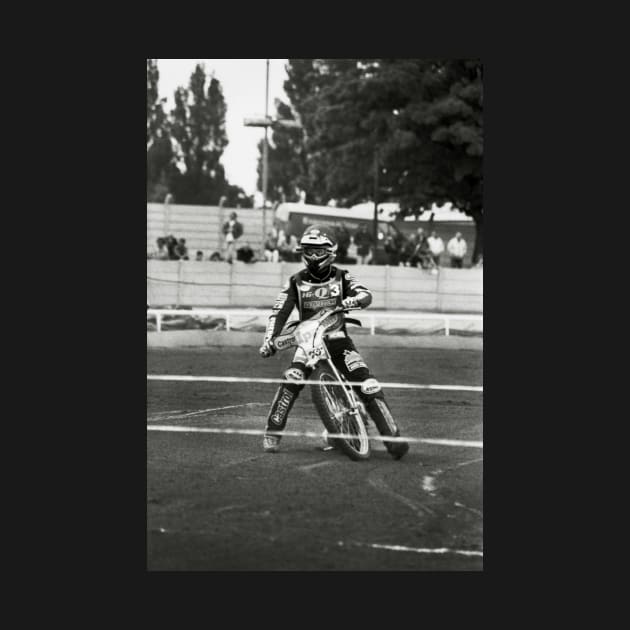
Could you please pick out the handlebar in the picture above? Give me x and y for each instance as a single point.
(344, 309)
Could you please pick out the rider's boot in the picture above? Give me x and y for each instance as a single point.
(280, 407)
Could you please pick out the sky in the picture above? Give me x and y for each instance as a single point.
(243, 82)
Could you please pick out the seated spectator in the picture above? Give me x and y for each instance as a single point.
(365, 243)
(181, 251)
(287, 244)
(457, 249)
(271, 247)
(171, 243)
(408, 250)
(199, 256)
(423, 253)
(215, 257)
(436, 245)
(245, 253)
(161, 253)
(392, 249)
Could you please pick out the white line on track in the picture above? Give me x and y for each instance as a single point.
(316, 465)
(472, 461)
(237, 379)
(376, 480)
(428, 484)
(439, 550)
(379, 438)
(160, 417)
(465, 507)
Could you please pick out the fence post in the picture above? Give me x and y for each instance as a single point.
(220, 238)
(231, 284)
(179, 283)
(446, 326)
(158, 321)
(372, 324)
(227, 321)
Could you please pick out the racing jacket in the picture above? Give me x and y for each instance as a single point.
(309, 296)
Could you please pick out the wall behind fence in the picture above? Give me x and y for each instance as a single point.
(201, 225)
(191, 283)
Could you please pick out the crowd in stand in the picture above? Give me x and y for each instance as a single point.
(416, 250)
(169, 248)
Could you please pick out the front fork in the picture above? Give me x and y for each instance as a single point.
(354, 402)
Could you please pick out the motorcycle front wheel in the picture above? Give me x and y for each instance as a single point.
(335, 408)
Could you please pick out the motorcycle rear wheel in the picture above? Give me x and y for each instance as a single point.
(334, 407)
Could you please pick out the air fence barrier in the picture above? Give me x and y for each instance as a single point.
(256, 319)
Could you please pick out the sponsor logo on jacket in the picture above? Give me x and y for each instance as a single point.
(320, 303)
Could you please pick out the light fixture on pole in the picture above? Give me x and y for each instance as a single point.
(274, 123)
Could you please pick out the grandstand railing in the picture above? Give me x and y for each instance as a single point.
(159, 313)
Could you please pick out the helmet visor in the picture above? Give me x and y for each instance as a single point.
(316, 253)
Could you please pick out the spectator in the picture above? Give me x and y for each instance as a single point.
(457, 249)
(408, 251)
(199, 256)
(215, 257)
(364, 242)
(271, 247)
(161, 253)
(423, 252)
(287, 244)
(233, 230)
(352, 255)
(436, 245)
(181, 251)
(171, 243)
(245, 253)
(343, 241)
(392, 250)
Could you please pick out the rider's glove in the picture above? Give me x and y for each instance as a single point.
(350, 302)
(267, 349)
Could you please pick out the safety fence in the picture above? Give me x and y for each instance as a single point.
(219, 284)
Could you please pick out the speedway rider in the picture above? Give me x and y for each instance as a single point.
(322, 285)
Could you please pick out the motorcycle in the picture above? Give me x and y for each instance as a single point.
(337, 404)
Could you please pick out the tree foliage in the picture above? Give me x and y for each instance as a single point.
(286, 159)
(420, 120)
(184, 148)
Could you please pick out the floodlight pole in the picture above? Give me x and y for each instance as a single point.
(265, 174)
(274, 123)
(375, 226)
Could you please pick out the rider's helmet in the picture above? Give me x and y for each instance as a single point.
(319, 250)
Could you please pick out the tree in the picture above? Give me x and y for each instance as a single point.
(198, 125)
(436, 149)
(161, 155)
(286, 159)
(420, 120)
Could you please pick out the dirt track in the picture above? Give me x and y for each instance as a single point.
(217, 502)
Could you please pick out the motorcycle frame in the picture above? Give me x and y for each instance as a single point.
(317, 340)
